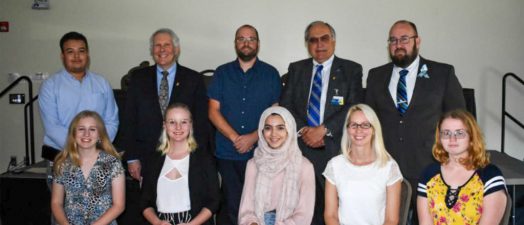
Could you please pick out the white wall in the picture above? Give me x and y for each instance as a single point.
(481, 38)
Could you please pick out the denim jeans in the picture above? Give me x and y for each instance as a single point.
(269, 217)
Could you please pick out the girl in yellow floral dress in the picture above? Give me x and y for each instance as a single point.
(464, 188)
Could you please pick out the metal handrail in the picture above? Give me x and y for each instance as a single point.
(29, 107)
(504, 112)
(31, 116)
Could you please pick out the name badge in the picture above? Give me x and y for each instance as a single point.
(337, 100)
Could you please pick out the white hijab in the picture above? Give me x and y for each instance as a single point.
(271, 162)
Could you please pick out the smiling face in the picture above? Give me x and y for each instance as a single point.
(164, 51)
(320, 43)
(75, 57)
(178, 124)
(454, 138)
(275, 132)
(86, 133)
(360, 130)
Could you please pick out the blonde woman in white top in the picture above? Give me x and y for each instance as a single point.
(180, 185)
(363, 183)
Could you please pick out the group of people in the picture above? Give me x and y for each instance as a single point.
(308, 148)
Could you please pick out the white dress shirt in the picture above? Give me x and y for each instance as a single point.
(411, 78)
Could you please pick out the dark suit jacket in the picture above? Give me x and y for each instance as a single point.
(142, 123)
(203, 182)
(345, 80)
(409, 138)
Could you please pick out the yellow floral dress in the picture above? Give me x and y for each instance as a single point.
(462, 205)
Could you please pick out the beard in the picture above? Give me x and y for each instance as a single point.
(247, 56)
(406, 59)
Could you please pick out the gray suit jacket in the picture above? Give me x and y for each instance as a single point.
(345, 80)
(409, 138)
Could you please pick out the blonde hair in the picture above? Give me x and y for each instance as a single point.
(477, 155)
(377, 143)
(71, 151)
(164, 145)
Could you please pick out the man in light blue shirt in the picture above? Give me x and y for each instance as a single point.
(72, 90)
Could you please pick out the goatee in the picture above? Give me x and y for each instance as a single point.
(247, 56)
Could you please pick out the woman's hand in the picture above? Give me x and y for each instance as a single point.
(164, 222)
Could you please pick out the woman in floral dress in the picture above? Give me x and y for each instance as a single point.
(464, 188)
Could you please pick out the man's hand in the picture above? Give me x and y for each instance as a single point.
(134, 169)
(244, 143)
(314, 136)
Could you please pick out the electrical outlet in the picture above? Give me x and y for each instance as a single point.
(16, 98)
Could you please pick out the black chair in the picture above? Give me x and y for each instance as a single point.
(405, 202)
(208, 76)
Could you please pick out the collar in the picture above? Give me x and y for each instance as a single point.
(412, 67)
(326, 64)
(171, 69)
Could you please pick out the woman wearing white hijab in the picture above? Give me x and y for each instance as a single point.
(279, 187)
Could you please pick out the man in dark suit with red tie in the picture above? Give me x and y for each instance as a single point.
(409, 94)
(318, 92)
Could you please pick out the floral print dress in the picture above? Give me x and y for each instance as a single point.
(462, 205)
(87, 200)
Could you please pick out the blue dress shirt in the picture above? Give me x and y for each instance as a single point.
(62, 97)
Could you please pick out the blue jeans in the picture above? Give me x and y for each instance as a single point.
(269, 217)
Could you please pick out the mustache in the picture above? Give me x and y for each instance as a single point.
(401, 50)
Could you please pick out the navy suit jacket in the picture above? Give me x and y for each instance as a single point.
(345, 79)
(142, 122)
(409, 138)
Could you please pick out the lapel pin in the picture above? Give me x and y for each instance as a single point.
(177, 84)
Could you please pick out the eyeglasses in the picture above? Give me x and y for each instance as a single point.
(246, 39)
(324, 39)
(364, 126)
(402, 40)
(458, 134)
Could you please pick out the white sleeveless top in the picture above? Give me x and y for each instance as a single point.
(173, 195)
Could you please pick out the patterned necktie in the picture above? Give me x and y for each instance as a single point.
(313, 109)
(163, 96)
(402, 96)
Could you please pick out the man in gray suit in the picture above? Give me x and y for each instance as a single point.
(318, 92)
(409, 94)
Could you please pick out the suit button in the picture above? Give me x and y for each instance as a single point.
(401, 139)
(401, 122)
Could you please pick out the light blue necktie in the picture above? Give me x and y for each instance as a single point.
(402, 96)
(313, 109)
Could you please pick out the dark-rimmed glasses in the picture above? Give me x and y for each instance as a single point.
(364, 125)
(402, 40)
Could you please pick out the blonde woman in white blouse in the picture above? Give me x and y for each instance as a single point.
(363, 183)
